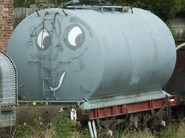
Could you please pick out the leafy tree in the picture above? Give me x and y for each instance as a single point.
(22, 3)
(165, 9)
(26, 3)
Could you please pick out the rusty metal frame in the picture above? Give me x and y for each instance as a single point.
(131, 108)
(100, 8)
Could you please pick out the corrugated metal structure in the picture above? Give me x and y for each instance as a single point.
(85, 55)
(8, 91)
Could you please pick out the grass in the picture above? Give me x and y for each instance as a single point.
(64, 127)
(50, 133)
(171, 131)
(139, 134)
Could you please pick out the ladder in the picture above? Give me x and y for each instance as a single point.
(47, 69)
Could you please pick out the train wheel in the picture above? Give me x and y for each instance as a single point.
(153, 124)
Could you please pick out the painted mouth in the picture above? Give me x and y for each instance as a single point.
(54, 89)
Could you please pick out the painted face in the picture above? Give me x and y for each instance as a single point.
(59, 50)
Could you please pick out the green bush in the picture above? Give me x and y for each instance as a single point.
(64, 125)
(63, 128)
(26, 3)
(23, 3)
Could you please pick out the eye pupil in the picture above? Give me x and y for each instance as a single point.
(79, 39)
(47, 41)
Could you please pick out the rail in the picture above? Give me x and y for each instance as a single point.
(101, 8)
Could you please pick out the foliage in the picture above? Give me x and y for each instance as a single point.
(64, 125)
(21, 130)
(26, 3)
(139, 134)
(171, 131)
(25, 129)
(58, 2)
(16, 22)
(23, 3)
(183, 35)
(37, 119)
(176, 36)
(34, 133)
(67, 128)
(168, 132)
(165, 9)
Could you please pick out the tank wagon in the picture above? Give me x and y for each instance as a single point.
(111, 61)
(8, 92)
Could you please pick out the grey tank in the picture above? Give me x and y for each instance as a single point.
(91, 54)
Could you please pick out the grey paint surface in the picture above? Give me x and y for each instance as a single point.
(115, 54)
(8, 91)
(124, 99)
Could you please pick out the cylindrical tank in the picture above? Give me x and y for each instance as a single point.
(8, 81)
(8, 91)
(91, 54)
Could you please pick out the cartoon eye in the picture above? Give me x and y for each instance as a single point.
(44, 39)
(73, 34)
